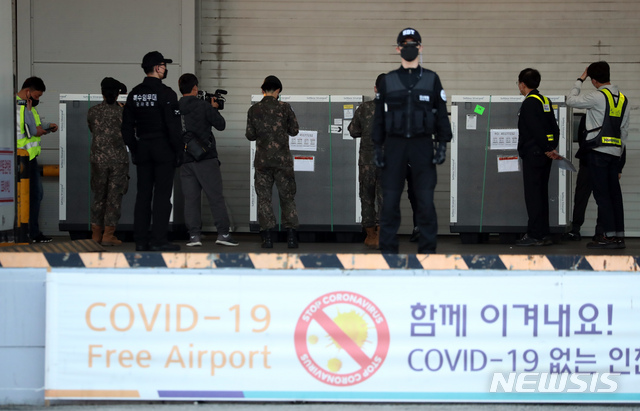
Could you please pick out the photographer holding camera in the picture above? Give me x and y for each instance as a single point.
(201, 168)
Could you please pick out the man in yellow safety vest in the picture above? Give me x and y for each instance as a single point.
(607, 128)
(29, 129)
(538, 134)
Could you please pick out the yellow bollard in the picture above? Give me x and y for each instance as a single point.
(22, 191)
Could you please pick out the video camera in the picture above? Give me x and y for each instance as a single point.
(217, 97)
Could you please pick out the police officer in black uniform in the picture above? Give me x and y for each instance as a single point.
(410, 110)
(151, 129)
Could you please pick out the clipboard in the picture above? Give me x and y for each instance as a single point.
(565, 164)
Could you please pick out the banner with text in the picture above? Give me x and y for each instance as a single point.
(264, 335)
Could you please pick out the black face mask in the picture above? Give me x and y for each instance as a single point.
(166, 71)
(409, 52)
(34, 102)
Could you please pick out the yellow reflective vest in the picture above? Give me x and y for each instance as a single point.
(609, 132)
(24, 141)
(546, 107)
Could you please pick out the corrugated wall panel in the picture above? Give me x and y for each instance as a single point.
(331, 47)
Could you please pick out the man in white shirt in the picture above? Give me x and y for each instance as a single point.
(607, 127)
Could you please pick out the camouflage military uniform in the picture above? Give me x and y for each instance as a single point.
(270, 123)
(109, 163)
(369, 174)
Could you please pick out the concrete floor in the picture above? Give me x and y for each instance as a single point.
(447, 244)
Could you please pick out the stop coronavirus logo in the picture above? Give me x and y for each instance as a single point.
(342, 338)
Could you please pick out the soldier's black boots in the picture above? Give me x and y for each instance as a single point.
(292, 238)
(267, 241)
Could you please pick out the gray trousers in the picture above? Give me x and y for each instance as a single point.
(203, 176)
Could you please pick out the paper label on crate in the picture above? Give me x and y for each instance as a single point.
(303, 163)
(504, 139)
(508, 164)
(306, 140)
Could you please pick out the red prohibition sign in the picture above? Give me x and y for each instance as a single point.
(316, 312)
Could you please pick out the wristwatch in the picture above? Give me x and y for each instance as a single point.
(580, 80)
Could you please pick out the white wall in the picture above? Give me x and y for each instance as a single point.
(7, 104)
(74, 44)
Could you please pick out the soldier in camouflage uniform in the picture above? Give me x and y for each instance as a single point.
(369, 175)
(109, 163)
(270, 123)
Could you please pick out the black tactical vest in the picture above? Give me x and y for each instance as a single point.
(148, 100)
(609, 134)
(410, 112)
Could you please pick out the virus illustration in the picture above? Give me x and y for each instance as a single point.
(354, 325)
(334, 365)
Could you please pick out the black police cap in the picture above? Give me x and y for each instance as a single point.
(154, 58)
(409, 33)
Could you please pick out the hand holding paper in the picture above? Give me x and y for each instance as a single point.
(565, 164)
(553, 155)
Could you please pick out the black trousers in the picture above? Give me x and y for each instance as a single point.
(603, 175)
(536, 169)
(36, 193)
(399, 152)
(411, 195)
(155, 160)
(581, 197)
